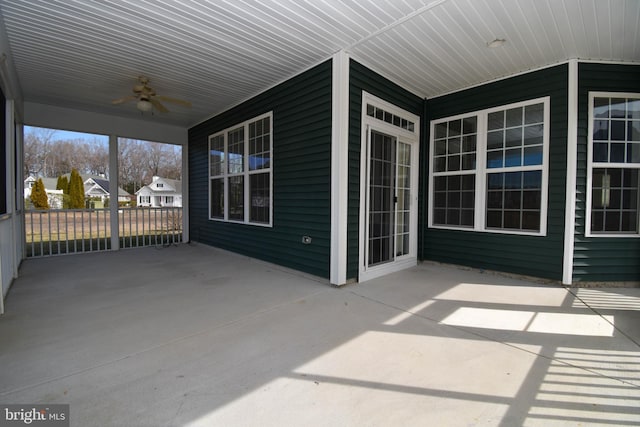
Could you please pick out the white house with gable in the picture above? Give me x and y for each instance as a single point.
(162, 192)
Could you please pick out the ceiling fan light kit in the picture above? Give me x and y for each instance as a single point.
(146, 98)
(144, 105)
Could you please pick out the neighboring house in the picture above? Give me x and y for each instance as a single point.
(54, 196)
(534, 174)
(98, 188)
(162, 192)
(95, 187)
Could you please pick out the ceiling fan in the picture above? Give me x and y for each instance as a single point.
(147, 99)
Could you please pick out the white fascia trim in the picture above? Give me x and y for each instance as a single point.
(572, 170)
(339, 166)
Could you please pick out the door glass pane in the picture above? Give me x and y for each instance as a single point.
(382, 182)
(403, 204)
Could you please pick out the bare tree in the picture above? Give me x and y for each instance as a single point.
(37, 150)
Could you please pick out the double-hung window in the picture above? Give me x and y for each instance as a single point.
(614, 164)
(240, 172)
(489, 169)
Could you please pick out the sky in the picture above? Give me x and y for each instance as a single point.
(67, 135)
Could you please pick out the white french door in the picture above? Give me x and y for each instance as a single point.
(389, 199)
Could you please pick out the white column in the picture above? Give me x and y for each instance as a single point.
(572, 166)
(339, 167)
(113, 191)
(185, 193)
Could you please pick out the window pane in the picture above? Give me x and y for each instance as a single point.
(216, 155)
(512, 219)
(533, 135)
(440, 130)
(469, 125)
(455, 128)
(618, 108)
(469, 144)
(617, 130)
(601, 130)
(513, 137)
(259, 145)
(513, 157)
(260, 193)
(235, 145)
(453, 146)
(514, 117)
(534, 113)
(496, 120)
(494, 159)
(633, 130)
(531, 220)
(633, 108)
(468, 161)
(533, 155)
(495, 140)
(453, 163)
(217, 198)
(614, 204)
(600, 152)
(236, 198)
(454, 200)
(494, 219)
(616, 153)
(514, 200)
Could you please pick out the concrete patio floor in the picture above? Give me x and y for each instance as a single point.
(194, 336)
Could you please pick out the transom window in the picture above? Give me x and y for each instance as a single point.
(240, 172)
(393, 119)
(489, 169)
(614, 164)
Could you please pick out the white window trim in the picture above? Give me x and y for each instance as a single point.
(246, 173)
(482, 170)
(591, 165)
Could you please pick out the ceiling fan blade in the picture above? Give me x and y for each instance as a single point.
(158, 105)
(123, 100)
(174, 100)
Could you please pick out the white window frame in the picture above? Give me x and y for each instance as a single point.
(481, 170)
(597, 165)
(245, 174)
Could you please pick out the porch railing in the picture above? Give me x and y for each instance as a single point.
(66, 231)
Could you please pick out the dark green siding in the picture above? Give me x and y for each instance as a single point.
(301, 176)
(539, 256)
(601, 259)
(362, 78)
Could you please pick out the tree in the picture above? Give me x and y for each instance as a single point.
(63, 184)
(37, 150)
(76, 191)
(39, 195)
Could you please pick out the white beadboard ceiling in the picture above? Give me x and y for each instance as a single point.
(84, 53)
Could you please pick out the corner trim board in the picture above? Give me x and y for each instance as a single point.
(339, 167)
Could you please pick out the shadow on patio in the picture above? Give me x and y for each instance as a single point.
(195, 336)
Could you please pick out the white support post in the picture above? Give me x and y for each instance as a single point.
(185, 193)
(339, 167)
(113, 192)
(572, 166)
